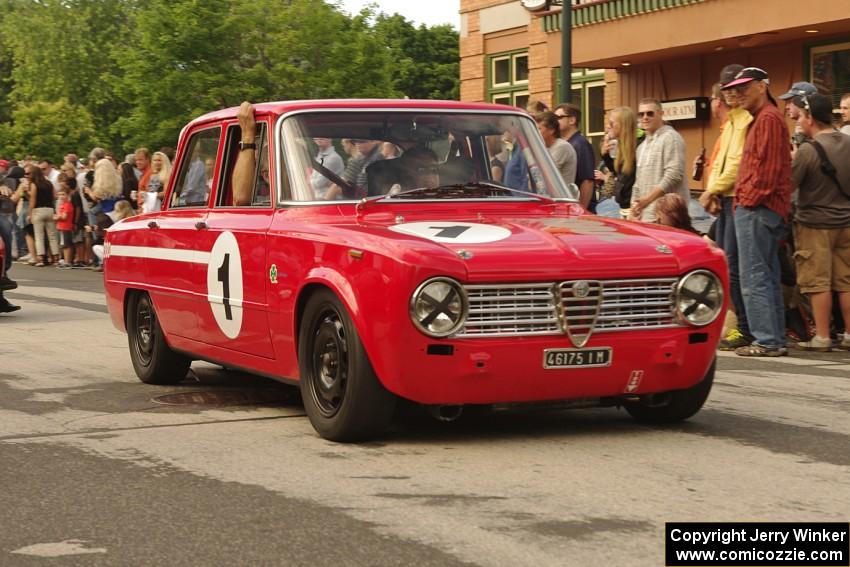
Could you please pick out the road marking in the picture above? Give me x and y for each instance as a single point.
(59, 549)
(152, 253)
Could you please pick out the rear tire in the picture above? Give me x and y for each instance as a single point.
(153, 360)
(342, 396)
(682, 404)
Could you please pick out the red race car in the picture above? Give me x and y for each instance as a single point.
(463, 271)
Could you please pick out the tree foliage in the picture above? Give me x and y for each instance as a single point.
(138, 70)
(48, 129)
(426, 60)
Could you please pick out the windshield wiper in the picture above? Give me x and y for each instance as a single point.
(472, 189)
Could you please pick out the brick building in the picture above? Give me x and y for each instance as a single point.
(673, 50)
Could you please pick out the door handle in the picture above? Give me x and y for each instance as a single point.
(153, 224)
(201, 225)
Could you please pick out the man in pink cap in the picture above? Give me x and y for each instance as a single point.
(762, 207)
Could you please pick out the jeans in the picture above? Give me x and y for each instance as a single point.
(728, 241)
(6, 234)
(759, 231)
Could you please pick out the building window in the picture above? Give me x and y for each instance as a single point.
(508, 79)
(829, 70)
(588, 92)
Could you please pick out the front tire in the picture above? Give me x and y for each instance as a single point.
(153, 360)
(342, 396)
(682, 404)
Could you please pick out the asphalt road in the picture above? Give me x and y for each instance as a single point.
(224, 469)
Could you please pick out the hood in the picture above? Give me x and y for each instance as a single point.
(543, 246)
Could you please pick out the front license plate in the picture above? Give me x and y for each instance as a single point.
(576, 357)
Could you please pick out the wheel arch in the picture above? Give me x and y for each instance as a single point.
(342, 288)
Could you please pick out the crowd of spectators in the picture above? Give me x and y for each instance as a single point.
(57, 217)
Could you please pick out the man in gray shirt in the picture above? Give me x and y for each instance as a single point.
(660, 162)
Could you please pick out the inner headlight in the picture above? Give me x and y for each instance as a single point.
(438, 307)
(699, 297)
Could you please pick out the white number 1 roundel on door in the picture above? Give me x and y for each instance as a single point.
(224, 284)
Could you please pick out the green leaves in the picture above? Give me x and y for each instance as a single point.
(133, 72)
(48, 130)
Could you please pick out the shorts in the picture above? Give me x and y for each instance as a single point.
(66, 238)
(77, 236)
(822, 257)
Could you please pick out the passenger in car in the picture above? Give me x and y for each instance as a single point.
(355, 174)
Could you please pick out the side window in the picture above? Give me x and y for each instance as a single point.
(197, 170)
(262, 190)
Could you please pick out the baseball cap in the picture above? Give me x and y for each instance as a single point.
(4, 163)
(818, 105)
(727, 74)
(800, 88)
(746, 75)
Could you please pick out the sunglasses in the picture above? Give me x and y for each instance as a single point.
(647, 114)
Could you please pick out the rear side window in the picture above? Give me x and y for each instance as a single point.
(197, 170)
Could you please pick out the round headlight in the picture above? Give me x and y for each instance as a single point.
(699, 298)
(438, 307)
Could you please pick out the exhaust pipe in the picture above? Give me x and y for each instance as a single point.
(445, 413)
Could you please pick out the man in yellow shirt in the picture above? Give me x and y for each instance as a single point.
(719, 195)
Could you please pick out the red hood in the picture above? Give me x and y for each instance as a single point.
(544, 246)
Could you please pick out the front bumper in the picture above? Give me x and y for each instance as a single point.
(501, 370)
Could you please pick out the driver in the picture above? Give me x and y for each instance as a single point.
(419, 169)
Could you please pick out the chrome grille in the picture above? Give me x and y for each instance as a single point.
(522, 309)
(532, 309)
(637, 304)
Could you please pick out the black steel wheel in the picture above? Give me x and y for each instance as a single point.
(677, 405)
(153, 360)
(342, 396)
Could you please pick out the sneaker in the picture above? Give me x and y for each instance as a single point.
(759, 350)
(6, 284)
(816, 344)
(734, 340)
(845, 342)
(25, 258)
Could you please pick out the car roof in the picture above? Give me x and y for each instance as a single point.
(282, 107)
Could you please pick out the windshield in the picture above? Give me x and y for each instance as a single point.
(404, 154)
